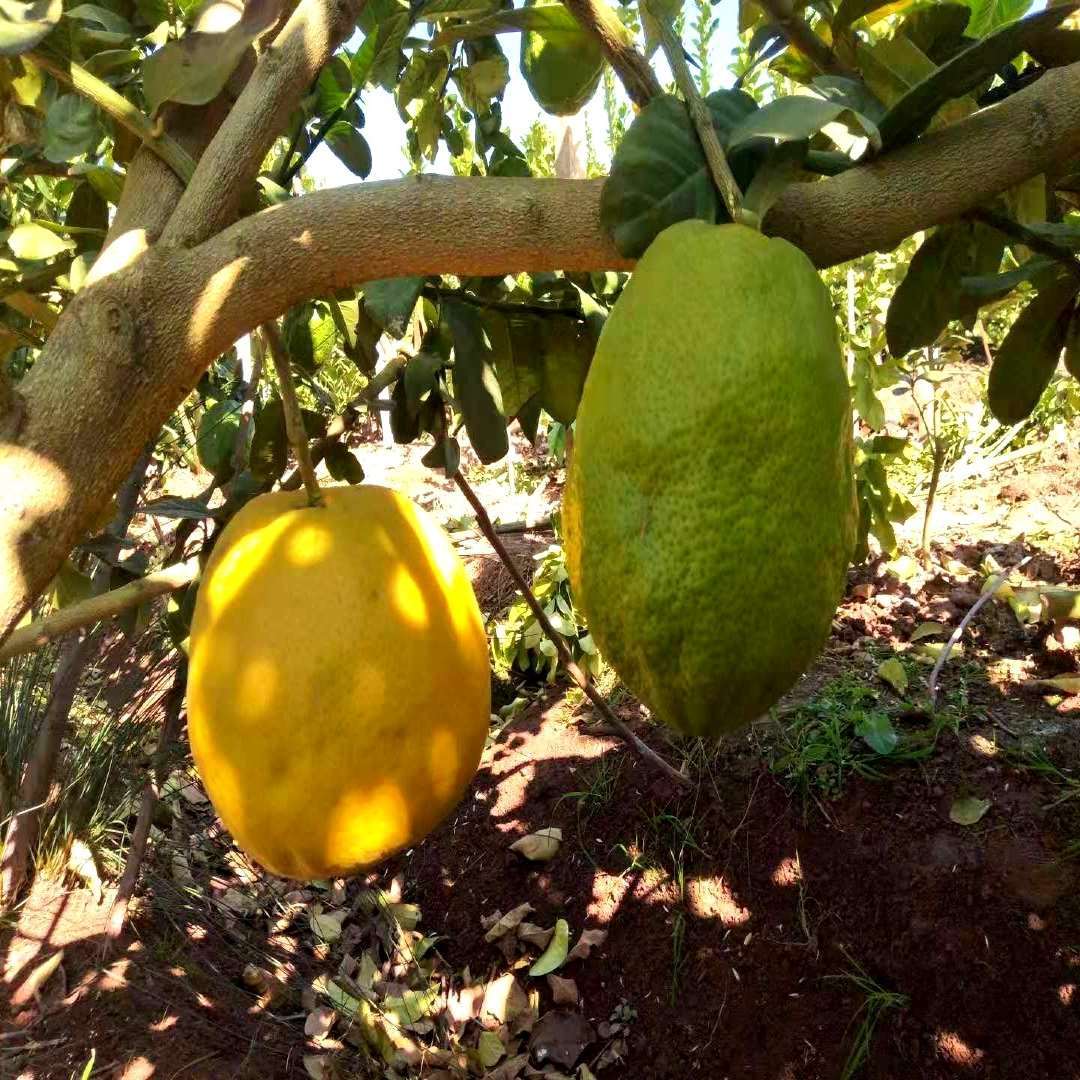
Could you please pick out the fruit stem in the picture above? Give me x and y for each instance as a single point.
(294, 418)
(719, 169)
(645, 752)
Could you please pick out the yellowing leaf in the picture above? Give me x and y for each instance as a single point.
(540, 846)
(554, 956)
(1067, 684)
(326, 925)
(969, 810)
(928, 629)
(892, 672)
(36, 242)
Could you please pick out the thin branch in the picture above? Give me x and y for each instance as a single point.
(800, 35)
(437, 292)
(643, 750)
(317, 139)
(170, 728)
(990, 589)
(294, 418)
(632, 68)
(282, 76)
(719, 169)
(1005, 224)
(119, 108)
(346, 420)
(39, 633)
(251, 373)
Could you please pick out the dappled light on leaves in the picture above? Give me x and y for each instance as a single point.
(339, 690)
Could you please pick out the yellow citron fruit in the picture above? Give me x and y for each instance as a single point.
(710, 512)
(338, 692)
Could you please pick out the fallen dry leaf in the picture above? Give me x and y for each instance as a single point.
(503, 924)
(510, 1069)
(537, 936)
(540, 846)
(503, 1000)
(560, 1038)
(465, 1004)
(589, 940)
(563, 991)
(319, 1022)
(82, 864)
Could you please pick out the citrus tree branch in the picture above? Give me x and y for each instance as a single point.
(632, 68)
(119, 108)
(130, 345)
(38, 634)
(642, 749)
(283, 74)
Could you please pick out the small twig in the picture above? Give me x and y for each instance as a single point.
(799, 34)
(170, 727)
(992, 587)
(719, 169)
(633, 69)
(289, 174)
(120, 109)
(39, 633)
(294, 418)
(1005, 224)
(639, 747)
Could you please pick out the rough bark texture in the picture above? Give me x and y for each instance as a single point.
(633, 69)
(132, 344)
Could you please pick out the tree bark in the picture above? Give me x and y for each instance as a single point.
(133, 343)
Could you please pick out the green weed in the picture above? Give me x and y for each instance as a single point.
(876, 1001)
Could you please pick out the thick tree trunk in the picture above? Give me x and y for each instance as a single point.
(132, 344)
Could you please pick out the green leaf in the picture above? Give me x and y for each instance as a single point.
(445, 455)
(72, 127)
(876, 730)
(932, 292)
(969, 810)
(1026, 359)
(927, 630)
(342, 464)
(216, 437)
(421, 376)
(425, 71)
(170, 506)
(514, 352)
(851, 11)
(100, 16)
(988, 15)
(554, 956)
(988, 287)
(299, 342)
(489, 1049)
(33, 242)
(195, 69)
(350, 148)
(482, 80)
(937, 29)
(269, 453)
(390, 302)
(476, 385)
(797, 117)
(567, 354)
(911, 115)
(892, 66)
(659, 175)
(892, 672)
(23, 24)
(404, 422)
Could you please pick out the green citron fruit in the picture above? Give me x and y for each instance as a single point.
(710, 512)
(561, 60)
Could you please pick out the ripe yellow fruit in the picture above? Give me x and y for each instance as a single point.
(339, 691)
(710, 513)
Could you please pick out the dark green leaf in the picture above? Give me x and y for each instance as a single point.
(350, 148)
(334, 87)
(72, 127)
(299, 343)
(445, 455)
(937, 29)
(1026, 360)
(342, 464)
(528, 418)
(988, 287)
(172, 507)
(476, 386)
(216, 438)
(23, 24)
(567, 351)
(931, 294)
(779, 169)
(404, 422)
(515, 352)
(269, 452)
(911, 115)
(390, 302)
(87, 210)
(421, 377)
(659, 176)
(100, 16)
